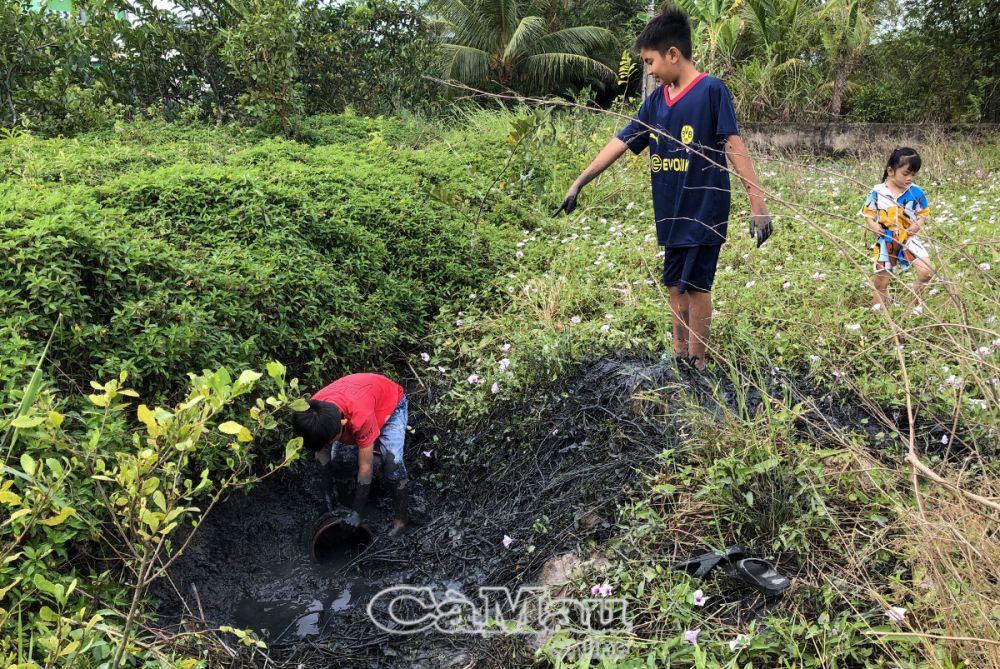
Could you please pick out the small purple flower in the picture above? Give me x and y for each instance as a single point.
(495, 388)
(506, 347)
(691, 636)
(601, 590)
(983, 350)
(519, 254)
(699, 598)
(429, 454)
(605, 327)
(575, 319)
(996, 343)
(739, 642)
(507, 541)
(504, 364)
(473, 379)
(426, 357)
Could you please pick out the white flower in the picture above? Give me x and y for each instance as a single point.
(442, 369)
(699, 598)
(944, 439)
(919, 309)
(813, 359)
(504, 364)
(896, 614)
(519, 254)
(472, 296)
(426, 357)
(983, 350)
(933, 291)
(495, 388)
(575, 319)
(505, 348)
(428, 454)
(608, 317)
(985, 266)
(605, 327)
(739, 642)
(629, 206)
(877, 307)
(854, 326)
(507, 541)
(786, 285)
(751, 284)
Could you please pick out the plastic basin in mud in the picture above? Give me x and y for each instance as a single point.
(331, 536)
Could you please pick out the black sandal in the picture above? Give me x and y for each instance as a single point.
(699, 565)
(761, 575)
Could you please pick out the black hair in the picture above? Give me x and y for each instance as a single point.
(670, 28)
(318, 425)
(903, 156)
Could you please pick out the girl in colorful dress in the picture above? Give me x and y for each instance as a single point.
(896, 211)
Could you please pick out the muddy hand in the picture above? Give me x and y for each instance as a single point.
(569, 201)
(760, 228)
(353, 519)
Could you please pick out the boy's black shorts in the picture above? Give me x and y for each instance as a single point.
(691, 268)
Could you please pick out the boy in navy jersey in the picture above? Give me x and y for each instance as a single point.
(689, 126)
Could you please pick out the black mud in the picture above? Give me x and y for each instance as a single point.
(550, 474)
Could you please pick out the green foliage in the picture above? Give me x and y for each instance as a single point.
(262, 54)
(332, 258)
(500, 45)
(92, 496)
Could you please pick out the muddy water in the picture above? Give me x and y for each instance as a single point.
(549, 472)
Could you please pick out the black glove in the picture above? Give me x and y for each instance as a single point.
(569, 202)
(760, 228)
(360, 500)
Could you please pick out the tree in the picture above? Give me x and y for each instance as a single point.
(846, 31)
(509, 45)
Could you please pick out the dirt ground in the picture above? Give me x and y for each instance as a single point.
(550, 473)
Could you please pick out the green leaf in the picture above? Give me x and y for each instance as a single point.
(248, 378)
(27, 422)
(60, 517)
(275, 370)
(27, 464)
(299, 405)
(231, 427)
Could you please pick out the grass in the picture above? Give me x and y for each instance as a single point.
(826, 409)
(832, 497)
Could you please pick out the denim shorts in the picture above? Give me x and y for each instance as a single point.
(389, 444)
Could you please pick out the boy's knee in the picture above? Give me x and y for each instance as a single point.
(924, 272)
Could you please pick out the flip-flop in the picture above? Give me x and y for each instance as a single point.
(761, 575)
(699, 565)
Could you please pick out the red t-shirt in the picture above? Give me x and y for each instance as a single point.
(366, 401)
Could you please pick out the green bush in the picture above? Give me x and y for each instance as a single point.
(331, 258)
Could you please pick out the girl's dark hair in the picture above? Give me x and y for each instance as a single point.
(904, 155)
(318, 425)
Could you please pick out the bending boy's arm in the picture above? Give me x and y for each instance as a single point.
(736, 151)
(611, 152)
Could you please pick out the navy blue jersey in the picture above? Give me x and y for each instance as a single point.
(690, 193)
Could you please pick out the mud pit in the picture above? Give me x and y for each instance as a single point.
(565, 461)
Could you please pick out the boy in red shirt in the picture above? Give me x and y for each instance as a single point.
(355, 412)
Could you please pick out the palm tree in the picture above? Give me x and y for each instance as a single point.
(846, 31)
(509, 44)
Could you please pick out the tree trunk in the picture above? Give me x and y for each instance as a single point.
(840, 75)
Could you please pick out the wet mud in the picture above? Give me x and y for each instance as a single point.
(549, 472)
